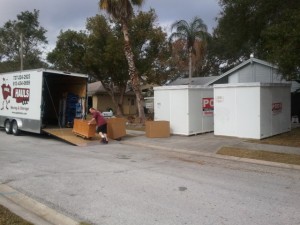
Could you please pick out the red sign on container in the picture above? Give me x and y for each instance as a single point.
(276, 107)
(208, 106)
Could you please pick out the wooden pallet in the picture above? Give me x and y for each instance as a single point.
(82, 135)
(83, 129)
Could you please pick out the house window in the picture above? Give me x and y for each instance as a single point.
(132, 101)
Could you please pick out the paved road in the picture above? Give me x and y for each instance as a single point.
(119, 184)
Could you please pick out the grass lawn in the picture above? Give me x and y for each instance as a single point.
(291, 139)
(9, 218)
(261, 155)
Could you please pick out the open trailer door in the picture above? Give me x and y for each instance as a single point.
(64, 99)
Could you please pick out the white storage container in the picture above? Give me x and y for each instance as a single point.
(188, 108)
(252, 110)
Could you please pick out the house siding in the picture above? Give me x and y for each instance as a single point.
(223, 80)
(255, 72)
(104, 102)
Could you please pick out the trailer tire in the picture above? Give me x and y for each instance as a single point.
(8, 127)
(14, 128)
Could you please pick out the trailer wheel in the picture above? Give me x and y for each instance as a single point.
(8, 127)
(15, 128)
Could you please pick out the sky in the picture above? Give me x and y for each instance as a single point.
(57, 15)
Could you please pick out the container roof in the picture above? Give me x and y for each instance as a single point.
(252, 84)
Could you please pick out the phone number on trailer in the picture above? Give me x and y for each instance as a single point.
(25, 82)
(22, 77)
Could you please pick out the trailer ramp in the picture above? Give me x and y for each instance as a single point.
(67, 135)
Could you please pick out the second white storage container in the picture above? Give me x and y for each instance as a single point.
(252, 110)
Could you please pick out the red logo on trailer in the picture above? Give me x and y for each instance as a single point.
(21, 95)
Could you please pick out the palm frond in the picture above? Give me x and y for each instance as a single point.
(177, 35)
(198, 24)
(179, 24)
(119, 9)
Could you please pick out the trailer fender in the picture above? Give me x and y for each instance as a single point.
(16, 126)
(19, 122)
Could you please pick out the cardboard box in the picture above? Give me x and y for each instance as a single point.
(83, 129)
(157, 129)
(116, 128)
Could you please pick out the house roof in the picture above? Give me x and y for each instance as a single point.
(207, 81)
(241, 65)
(94, 88)
(194, 81)
(98, 88)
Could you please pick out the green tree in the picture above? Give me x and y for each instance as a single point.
(270, 29)
(95, 52)
(98, 51)
(105, 58)
(191, 32)
(69, 52)
(122, 12)
(26, 30)
(282, 41)
(150, 47)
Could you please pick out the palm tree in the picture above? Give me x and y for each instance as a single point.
(190, 32)
(122, 12)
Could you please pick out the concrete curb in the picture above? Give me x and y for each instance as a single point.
(213, 155)
(30, 209)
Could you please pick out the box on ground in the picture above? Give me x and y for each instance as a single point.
(157, 129)
(83, 129)
(116, 128)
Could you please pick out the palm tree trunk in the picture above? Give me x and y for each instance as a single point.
(190, 65)
(134, 78)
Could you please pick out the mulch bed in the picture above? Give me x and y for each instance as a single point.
(291, 139)
(261, 155)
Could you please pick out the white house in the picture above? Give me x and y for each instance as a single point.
(253, 70)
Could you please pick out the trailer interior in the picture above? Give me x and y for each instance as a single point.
(63, 99)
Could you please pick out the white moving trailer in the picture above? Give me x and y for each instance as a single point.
(31, 100)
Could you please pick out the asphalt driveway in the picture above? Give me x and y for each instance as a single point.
(127, 184)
